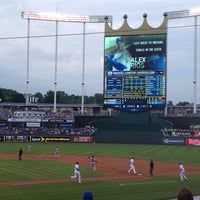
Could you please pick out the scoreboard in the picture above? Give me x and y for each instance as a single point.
(135, 72)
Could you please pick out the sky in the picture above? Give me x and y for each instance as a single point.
(13, 45)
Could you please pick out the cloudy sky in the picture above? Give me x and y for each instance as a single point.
(13, 45)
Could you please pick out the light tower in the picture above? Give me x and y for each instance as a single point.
(62, 18)
(184, 14)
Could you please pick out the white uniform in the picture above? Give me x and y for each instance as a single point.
(182, 172)
(132, 166)
(77, 173)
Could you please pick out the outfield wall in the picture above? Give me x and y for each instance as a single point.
(130, 128)
(45, 138)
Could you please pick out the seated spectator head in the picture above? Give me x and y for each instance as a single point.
(88, 196)
(185, 194)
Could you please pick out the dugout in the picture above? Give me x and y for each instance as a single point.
(136, 128)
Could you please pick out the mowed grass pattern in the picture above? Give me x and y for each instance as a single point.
(38, 169)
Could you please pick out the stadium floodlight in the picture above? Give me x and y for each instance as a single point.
(195, 12)
(63, 18)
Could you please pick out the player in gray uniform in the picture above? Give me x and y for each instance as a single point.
(29, 148)
(57, 152)
(93, 162)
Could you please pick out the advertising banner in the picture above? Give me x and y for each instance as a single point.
(87, 139)
(173, 141)
(192, 141)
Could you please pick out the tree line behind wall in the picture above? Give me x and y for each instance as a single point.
(9, 95)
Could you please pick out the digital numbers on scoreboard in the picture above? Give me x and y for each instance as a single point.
(137, 92)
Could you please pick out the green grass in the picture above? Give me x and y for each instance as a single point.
(152, 189)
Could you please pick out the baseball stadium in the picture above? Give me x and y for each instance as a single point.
(42, 146)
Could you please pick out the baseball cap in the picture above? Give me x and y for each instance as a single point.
(119, 39)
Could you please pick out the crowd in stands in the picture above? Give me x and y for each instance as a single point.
(7, 118)
(181, 132)
(5, 114)
(66, 114)
(45, 131)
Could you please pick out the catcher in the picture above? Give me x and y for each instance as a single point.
(93, 163)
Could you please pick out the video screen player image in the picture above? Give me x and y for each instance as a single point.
(135, 72)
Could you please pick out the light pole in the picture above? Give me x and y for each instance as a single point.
(27, 67)
(184, 14)
(56, 59)
(65, 18)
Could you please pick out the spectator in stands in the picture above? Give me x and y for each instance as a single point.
(185, 194)
(88, 196)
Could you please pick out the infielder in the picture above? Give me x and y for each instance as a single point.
(182, 172)
(77, 173)
(57, 152)
(29, 148)
(132, 165)
(93, 162)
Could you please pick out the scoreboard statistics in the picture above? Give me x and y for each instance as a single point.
(135, 72)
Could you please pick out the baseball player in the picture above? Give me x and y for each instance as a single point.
(93, 162)
(77, 173)
(132, 165)
(29, 148)
(182, 172)
(151, 167)
(57, 152)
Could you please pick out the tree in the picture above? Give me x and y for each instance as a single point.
(17, 97)
(61, 97)
(170, 103)
(49, 97)
(98, 99)
(2, 97)
(183, 103)
(40, 97)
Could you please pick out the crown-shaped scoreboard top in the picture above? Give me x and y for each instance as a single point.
(145, 28)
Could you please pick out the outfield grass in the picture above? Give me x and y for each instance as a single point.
(153, 189)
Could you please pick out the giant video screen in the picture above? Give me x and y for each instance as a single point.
(135, 72)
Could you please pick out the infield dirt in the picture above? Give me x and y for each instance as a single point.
(115, 168)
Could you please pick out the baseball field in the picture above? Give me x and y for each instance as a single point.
(41, 175)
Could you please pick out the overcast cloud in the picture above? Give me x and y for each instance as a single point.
(13, 50)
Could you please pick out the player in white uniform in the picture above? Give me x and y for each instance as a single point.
(77, 173)
(182, 172)
(132, 165)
